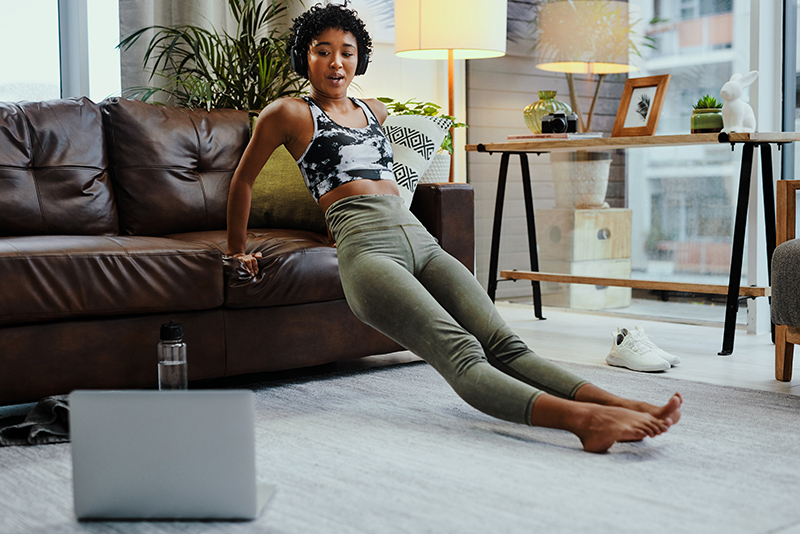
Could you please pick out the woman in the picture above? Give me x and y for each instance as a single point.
(395, 276)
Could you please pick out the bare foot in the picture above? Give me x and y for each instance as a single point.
(605, 419)
(670, 412)
(602, 426)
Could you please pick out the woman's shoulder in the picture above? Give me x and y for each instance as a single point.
(285, 120)
(285, 112)
(286, 107)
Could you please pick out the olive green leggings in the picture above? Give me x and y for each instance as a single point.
(398, 280)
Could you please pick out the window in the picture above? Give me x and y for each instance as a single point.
(715, 7)
(796, 68)
(29, 59)
(104, 68)
(684, 199)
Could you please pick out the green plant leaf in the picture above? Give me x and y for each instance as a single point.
(212, 69)
(707, 102)
(429, 109)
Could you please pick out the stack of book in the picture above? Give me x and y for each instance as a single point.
(552, 136)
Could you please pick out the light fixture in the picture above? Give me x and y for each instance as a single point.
(584, 37)
(450, 29)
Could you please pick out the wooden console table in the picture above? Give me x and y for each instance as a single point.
(732, 290)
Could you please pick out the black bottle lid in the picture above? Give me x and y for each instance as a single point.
(172, 332)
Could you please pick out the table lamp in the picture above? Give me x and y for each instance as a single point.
(450, 29)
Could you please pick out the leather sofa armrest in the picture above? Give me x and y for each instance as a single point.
(448, 212)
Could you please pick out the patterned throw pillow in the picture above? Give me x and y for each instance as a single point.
(415, 140)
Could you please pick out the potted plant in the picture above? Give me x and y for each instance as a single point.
(440, 166)
(211, 69)
(707, 115)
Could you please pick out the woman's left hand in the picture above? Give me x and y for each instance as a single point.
(249, 261)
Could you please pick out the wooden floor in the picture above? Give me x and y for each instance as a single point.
(586, 337)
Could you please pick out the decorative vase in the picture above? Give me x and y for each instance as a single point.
(580, 179)
(439, 170)
(546, 104)
(707, 120)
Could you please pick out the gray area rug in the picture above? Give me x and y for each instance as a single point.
(395, 450)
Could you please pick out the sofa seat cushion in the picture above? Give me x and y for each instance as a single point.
(296, 267)
(57, 277)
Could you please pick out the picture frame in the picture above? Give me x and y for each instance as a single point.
(640, 107)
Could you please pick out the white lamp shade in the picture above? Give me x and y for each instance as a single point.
(584, 36)
(472, 29)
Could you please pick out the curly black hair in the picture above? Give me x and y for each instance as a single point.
(321, 17)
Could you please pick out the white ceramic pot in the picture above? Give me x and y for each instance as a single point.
(439, 171)
(580, 179)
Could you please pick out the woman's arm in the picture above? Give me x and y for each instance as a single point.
(273, 128)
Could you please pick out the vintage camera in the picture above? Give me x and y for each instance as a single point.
(559, 122)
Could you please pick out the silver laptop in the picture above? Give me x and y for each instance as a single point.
(165, 455)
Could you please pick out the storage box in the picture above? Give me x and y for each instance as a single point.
(584, 296)
(580, 235)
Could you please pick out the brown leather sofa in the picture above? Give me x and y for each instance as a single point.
(112, 222)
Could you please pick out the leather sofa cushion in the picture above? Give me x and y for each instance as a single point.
(57, 277)
(171, 167)
(53, 169)
(296, 267)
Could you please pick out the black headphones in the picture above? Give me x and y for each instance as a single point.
(299, 61)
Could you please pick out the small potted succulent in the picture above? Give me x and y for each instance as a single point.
(707, 115)
(439, 169)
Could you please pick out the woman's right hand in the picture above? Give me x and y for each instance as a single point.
(249, 261)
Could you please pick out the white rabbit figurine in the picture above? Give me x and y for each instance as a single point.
(737, 116)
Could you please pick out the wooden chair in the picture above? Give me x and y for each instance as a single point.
(786, 280)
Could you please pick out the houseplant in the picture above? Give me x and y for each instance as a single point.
(213, 69)
(707, 115)
(440, 166)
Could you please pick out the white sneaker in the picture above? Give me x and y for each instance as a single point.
(641, 337)
(627, 351)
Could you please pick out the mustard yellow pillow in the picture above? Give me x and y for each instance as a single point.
(281, 199)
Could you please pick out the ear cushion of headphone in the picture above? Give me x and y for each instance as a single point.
(361, 67)
(298, 62)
